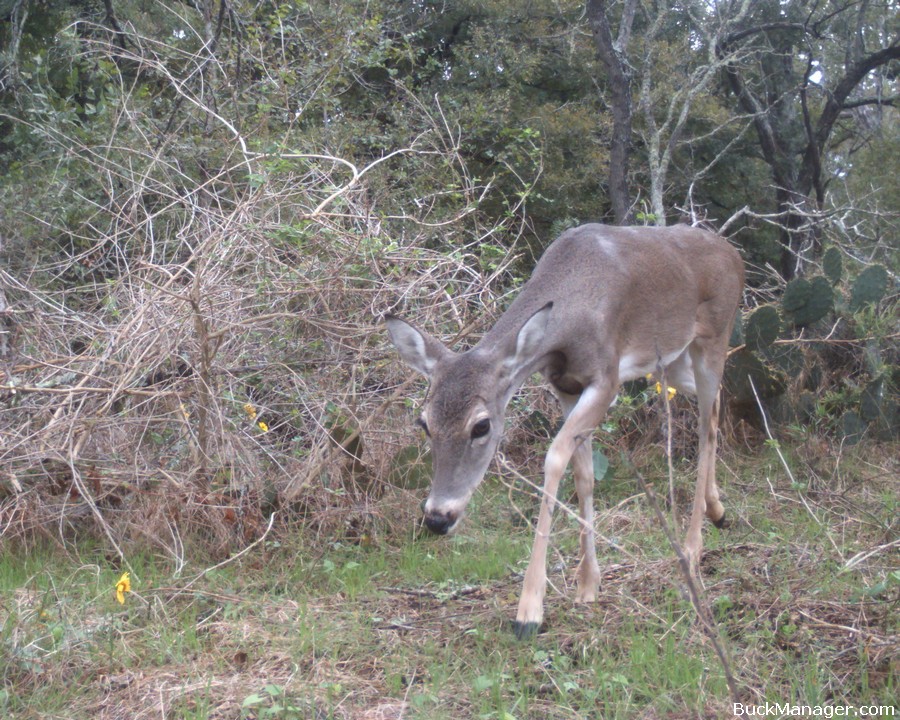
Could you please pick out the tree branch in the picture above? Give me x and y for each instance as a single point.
(891, 100)
(739, 35)
(854, 75)
(121, 38)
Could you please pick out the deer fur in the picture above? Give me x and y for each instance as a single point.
(604, 305)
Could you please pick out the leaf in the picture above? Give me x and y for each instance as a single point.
(601, 465)
(482, 683)
(252, 700)
(806, 302)
(737, 332)
(796, 295)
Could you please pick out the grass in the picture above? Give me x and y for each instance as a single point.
(401, 625)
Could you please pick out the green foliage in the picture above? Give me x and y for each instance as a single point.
(856, 402)
(200, 190)
(601, 465)
(410, 468)
(852, 427)
(737, 332)
(274, 703)
(762, 327)
(833, 265)
(869, 287)
(879, 406)
(872, 400)
(807, 301)
(271, 634)
(745, 372)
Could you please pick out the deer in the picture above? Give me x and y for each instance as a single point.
(604, 305)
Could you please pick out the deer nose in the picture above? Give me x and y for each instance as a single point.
(439, 523)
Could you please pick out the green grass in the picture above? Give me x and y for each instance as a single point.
(408, 625)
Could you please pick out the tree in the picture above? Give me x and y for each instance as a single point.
(799, 74)
(679, 69)
(612, 54)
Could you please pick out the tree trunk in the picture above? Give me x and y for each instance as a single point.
(618, 77)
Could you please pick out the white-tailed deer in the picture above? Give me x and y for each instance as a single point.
(603, 306)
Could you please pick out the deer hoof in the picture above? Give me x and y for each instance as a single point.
(526, 630)
(723, 522)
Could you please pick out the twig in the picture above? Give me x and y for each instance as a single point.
(79, 389)
(663, 384)
(866, 554)
(703, 614)
(341, 448)
(229, 560)
(774, 443)
(455, 595)
(707, 622)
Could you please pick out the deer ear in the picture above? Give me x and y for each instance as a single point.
(530, 339)
(417, 349)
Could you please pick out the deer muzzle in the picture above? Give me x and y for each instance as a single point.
(440, 523)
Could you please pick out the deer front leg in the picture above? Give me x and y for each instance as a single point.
(584, 417)
(531, 602)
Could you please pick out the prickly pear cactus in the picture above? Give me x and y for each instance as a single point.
(807, 301)
(869, 287)
(833, 265)
(872, 401)
(762, 327)
(789, 378)
(853, 427)
(744, 372)
(737, 332)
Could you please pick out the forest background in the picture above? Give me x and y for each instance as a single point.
(207, 207)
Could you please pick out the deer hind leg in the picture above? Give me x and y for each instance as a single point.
(587, 576)
(708, 362)
(584, 416)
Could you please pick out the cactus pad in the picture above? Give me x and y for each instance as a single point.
(833, 265)
(762, 327)
(806, 301)
(737, 332)
(869, 287)
(744, 367)
(852, 427)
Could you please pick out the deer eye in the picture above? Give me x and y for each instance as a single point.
(481, 428)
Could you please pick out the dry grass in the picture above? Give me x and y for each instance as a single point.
(400, 626)
(217, 351)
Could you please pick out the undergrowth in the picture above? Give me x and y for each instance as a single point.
(322, 623)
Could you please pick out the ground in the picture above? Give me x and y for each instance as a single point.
(320, 620)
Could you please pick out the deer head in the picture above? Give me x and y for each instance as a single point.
(464, 410)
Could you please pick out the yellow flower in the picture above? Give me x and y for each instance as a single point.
(670, 391)
(263, 426)
(250, 410)
(122, 587)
